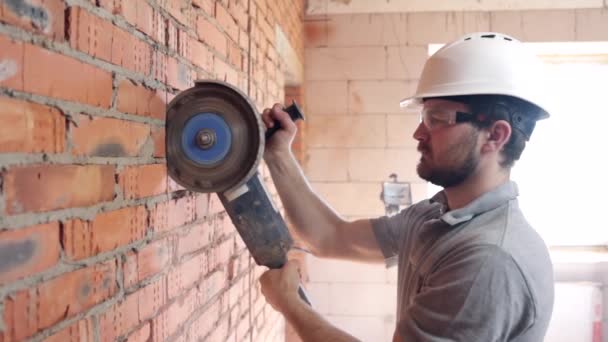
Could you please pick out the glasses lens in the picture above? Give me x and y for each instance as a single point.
(434, 118)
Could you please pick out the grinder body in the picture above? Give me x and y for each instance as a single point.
(215, 141)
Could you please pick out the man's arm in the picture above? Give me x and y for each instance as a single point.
(326, 233)
(280, 286)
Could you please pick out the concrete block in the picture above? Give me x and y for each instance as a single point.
(405, 62)
(375, 165)
(346, 131)
(507, 22)
(592, 24)
(362, 299)
(326, 97)
(364, 328)
(339, 271)
(319, 296)
(352, 199)
(378, 96)
(544, 26)
(315, 33)
(475, 22)
(395, 29)
(326, 165)
(434, 27)
(345, 63)
(400, 129)
(355, 30)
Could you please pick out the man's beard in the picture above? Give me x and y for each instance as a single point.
(456, 171)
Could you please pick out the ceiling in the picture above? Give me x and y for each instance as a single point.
(321, 7)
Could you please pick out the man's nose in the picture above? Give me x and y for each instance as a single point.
(421, 133)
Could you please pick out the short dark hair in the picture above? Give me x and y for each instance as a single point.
(520, 114)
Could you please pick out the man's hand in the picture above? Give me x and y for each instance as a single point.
(280, 286)
(281, 141)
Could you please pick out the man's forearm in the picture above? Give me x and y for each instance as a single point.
(313, 219)
(311, 326)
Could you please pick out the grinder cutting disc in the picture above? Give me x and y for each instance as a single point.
(214, 137)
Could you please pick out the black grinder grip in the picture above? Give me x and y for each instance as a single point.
(295, 113)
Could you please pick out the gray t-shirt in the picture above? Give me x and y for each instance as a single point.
(478, 273)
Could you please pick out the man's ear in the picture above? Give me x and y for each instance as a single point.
(498, 135)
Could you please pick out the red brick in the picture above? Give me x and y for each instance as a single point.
(168, 322)
(82, 330)
(140, 335)
(38, 188)
(143, 181)
(225, 72)
(220, 254)
(172, 39)
(202, 206)
(203, 325)
(130, 52)
(220, 333)
(90, 34)
(30, 127)
(28, 251)
(173, 186)
(211, 287)
(153, 258)
(215, 205)
(185, 275)
(83, 83)
(179, 75)
(159, 66)
(205, 5)
(151, 298)
(108, 137)
(11, 65)
(172, 214)
(112, 6)
(235, 56)
(179, 10)
(31, 310)
(129, 269)
(208, 33)
(39, 16)
(134, 98)
(107, 231)
(226, 22)
(158, 136)
(222, 227)
(119, 319)
(244, 41)
(194, 239)
(145, 16)
(239, 12)
(200, 55)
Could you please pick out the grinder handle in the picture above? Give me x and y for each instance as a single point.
(295, 113)
(304, 295)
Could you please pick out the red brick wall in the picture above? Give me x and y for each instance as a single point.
(96, 243)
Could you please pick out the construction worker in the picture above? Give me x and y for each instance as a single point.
(470, 267)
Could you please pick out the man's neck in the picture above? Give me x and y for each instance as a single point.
(464, 193)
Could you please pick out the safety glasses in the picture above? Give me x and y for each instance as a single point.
(436, 118)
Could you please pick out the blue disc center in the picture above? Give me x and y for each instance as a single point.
(214, 124)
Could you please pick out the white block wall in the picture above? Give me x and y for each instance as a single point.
(357, 68)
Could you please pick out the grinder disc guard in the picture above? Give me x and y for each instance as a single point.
(214, 137)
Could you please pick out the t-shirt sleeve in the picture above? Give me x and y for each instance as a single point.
(478, 294)
(389, 231)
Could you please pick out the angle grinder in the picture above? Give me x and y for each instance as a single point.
(215, 141)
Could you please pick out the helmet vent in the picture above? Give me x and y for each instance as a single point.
(488, 36)
(507, 38)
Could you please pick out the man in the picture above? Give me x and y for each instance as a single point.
(470, 268)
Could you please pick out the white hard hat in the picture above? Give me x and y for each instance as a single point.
(483, 63)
